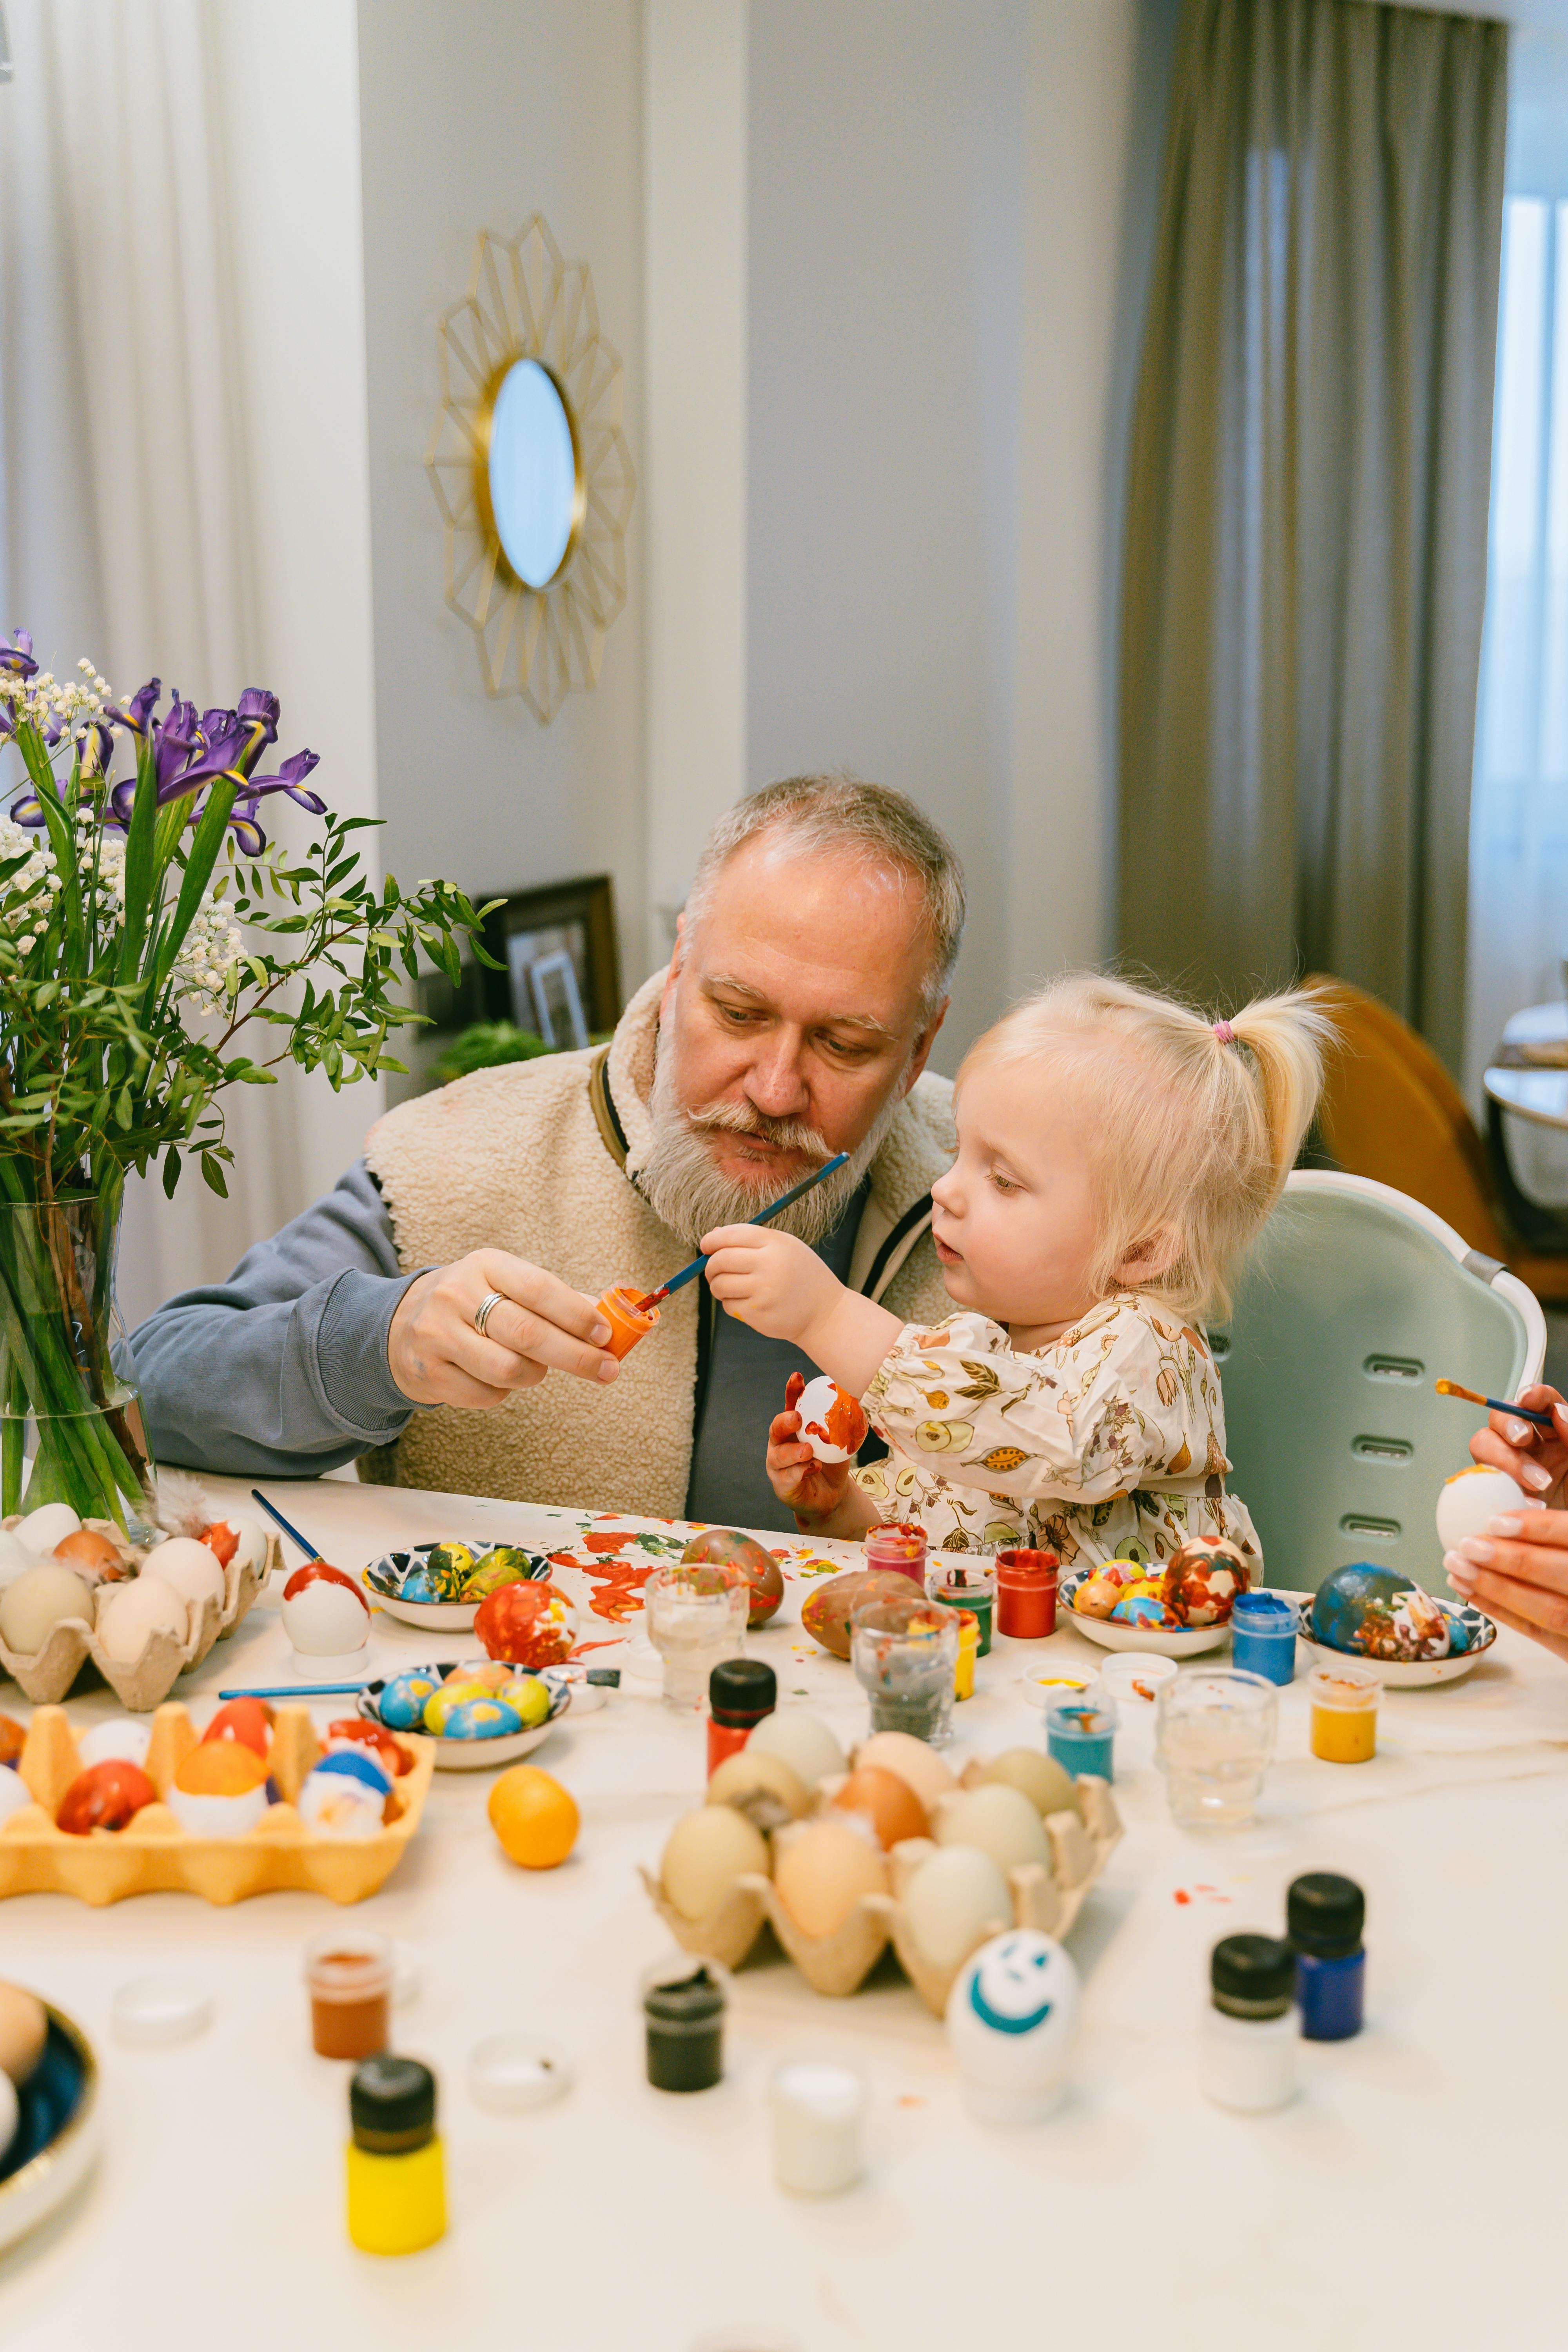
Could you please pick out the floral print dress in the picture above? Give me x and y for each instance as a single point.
(1109, 1443)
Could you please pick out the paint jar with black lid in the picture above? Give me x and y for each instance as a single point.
(1324, 1916)
(396, 2178)
(740, 1691)
(684, 1999)
(1251, 2028)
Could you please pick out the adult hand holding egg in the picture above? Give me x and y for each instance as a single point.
(1517, 1568)
(439, 1354)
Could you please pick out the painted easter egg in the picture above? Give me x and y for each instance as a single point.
(440, 1574)
(760, 1567)
(507, 1564)
(1011, 2018)
(325, 1614)
(345, 1795)
(454, 1692)
(830, 1606)
(248, 1721)
(13, 1739)
(831, 1421)
(105, 1797)
(1098, 1594)
(1472, 1499)
(527, 1625)
(1373, 1612)
(356, 1731)
(1203, 1579)
(402, 1702)
(481, 1718)
(530, 1697)
(1143, 1603)
(219, 1790)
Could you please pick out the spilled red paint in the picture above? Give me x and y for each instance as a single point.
(607, 1543)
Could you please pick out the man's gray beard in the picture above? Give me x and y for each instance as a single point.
(685, 1190)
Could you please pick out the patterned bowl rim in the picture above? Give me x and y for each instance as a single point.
(1069, 1585)
(388, 1574)
(554, 1681)
(1481, 1629)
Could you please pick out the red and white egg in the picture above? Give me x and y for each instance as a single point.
(325, 1614)
(831, 1421)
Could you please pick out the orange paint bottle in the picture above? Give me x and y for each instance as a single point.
(627, 1323)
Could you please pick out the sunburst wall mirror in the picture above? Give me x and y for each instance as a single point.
(531, 469)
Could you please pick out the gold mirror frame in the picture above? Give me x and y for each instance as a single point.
(524, 302)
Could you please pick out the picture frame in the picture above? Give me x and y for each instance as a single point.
(560, 973)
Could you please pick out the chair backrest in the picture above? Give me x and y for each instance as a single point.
(1352, 1304)
(1391, 1111)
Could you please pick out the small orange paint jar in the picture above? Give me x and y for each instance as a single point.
(1343, 1700)
(627, 1323)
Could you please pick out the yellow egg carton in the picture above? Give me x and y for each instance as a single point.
(48, 1673)
(156, 1856)
(1047, 1896)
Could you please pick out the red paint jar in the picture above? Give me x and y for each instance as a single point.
(899, 1546)
(1026, 1594)
(740, 1693)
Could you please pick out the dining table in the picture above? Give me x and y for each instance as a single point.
(1407, 2193)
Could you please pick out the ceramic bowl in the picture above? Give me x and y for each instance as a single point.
(477, 1754)
(57, 2139)
(1188, 1642)
(385, 1578)
(1412, 1673)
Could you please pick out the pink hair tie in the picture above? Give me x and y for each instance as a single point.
(1224, 1033)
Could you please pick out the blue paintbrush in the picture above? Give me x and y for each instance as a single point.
(689, 1273)
(293, 1533)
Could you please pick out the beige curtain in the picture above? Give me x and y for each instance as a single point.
(1307, 513)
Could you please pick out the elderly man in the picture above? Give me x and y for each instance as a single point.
(411, 1317)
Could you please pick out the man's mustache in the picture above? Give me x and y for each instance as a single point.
(745, 1119)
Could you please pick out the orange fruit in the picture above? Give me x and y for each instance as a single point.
(534, 1818)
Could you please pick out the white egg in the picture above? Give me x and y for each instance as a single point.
(326, 1619)
(955, 1900)
(210, 1816)
(189, 1567)
(15, 1794)
(997, 1819)
(1471, 1498)
(42, 1529)
(801, 1741)
(14, 1557)
(130, 1615)
(121, 1741)
(824, 1406)
(251, 1551)
(33, 1605)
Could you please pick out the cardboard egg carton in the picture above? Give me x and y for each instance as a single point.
(1049, 1897)
(48, 1675)
(155, 1855)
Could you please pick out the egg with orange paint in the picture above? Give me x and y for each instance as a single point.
(220, 1790)
(248, 1721)
(831, 1421)
(761, 1569)
(325, 1614)
(105, 1797)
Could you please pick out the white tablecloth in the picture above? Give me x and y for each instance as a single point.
(1412, 2192)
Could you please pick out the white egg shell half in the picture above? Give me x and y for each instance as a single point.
(251, 1551)
(129, 1615)
(1472, 1499)
(189, 1567)
(326, 1619)
(334, 1806)
(42, 1529)
(956, 1898)
(210, 1816)
(15, 1794)
(801, 1741)
(120, 1740)
(816, 1401)
(997, 1819)
(32, 1604)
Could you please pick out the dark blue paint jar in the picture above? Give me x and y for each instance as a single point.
(1324, 1917)
(1263, 1635)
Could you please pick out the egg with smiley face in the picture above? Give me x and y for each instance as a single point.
(1012, 2015)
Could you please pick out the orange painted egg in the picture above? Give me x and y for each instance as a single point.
(221, 1768)
(760, 1567)
(354, 1731)
(526, 1624)
(105, 1797)
(11, 1739)
(888, 1803)
(248, 1721)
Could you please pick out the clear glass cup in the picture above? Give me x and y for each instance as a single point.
(1213, 1739)
(905, 1655)
(696, 1612)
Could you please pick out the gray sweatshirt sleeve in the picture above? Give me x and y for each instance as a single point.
(281, 1371)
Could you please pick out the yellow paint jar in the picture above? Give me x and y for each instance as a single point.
(968, 1651)
(1343, 1700)
(396, 2175)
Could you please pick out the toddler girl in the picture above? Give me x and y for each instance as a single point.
(1117, 1152)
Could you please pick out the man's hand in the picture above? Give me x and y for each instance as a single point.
(437, 1356)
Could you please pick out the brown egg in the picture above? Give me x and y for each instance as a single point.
(822, 1869)
(89, 1553)
(888, 1803)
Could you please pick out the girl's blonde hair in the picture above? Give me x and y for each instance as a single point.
(1194, 1124)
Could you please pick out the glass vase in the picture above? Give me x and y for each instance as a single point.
(71, 1426)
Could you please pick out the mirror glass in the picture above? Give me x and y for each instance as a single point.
(533, 473)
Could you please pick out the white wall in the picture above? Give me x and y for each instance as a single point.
(475, 116)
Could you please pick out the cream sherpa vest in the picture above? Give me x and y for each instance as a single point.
(529, 1158)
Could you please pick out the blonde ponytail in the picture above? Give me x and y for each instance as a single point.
(1194, 1124)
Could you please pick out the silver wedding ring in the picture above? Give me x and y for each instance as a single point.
(486, 1308)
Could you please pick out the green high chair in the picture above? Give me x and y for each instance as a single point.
(1353, 1302)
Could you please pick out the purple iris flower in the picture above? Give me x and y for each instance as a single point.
(136, 713)
(16, 657)
(259, 710)
(290, 779)
(95, 748)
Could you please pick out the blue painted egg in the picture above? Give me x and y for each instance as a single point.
(1375, 1613)
(1141, 1609)
(481, 1718)
(401, 1705)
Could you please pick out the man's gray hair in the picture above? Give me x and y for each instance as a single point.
(834, 812)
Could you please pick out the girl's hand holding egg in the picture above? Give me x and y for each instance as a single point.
(813, 1488)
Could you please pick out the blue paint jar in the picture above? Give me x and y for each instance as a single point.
(1080, 1733)
(1324, 1917)
(1263, 1635)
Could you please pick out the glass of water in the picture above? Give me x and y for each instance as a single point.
(1214, 1740)
(696, 1612)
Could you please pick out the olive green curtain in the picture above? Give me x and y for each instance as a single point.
(1306, 552)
